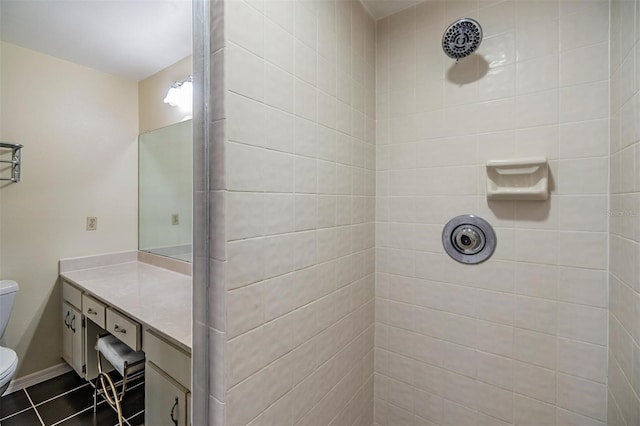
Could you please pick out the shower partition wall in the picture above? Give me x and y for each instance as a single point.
(293, 88)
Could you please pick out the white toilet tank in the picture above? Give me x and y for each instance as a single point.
(8, 291)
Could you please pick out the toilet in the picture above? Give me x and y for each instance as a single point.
(8, 358)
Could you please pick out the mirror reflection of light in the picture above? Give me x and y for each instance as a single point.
(180, 95)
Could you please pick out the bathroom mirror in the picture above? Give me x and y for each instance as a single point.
(165, 164)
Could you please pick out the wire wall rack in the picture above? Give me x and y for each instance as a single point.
(15, 162)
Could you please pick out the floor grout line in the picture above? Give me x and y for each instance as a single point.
(16, 413)
(20, 411)
(34, 407)
(88, 386)
(75, 414)
(59, 395)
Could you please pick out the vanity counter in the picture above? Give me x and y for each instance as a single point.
(157, 298)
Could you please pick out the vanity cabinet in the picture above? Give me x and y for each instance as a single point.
(142, 326)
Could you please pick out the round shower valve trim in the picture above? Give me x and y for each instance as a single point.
(469, 239)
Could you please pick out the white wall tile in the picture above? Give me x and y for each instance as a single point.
(538, 74)
(535, 382)
(246, 309)
(246, 262)
(584, 102)
(278, 213)
(584, 323)
(528, 411)
(584, 65)
(537, 39)
(582, 359)
(572, 176)
(595, 18)
(537, 109)
(494, 369)
(245, 26)
(248, 76)
(247, 211)
(248, 163)
(279, 90)
(582, 396)
(535, 314)
(584, 139)
(535, 348)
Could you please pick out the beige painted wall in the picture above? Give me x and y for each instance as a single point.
(79, 127)
(153, 112)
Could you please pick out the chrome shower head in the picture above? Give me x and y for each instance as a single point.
(462, 38)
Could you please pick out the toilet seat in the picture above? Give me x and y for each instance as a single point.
(8, 365)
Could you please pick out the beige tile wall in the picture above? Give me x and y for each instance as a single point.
(624, 274)
(299, 132)
(522, 338)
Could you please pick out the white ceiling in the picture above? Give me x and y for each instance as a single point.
(381, 8)
(131, 38)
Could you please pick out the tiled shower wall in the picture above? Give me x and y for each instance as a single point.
(521, 338)
(299, 149)
(624, 276)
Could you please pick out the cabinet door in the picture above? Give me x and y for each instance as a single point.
(165, 400)
(72, 337)
(67, 334)
(75, 325)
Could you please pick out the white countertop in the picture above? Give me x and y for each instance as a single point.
(158, 298)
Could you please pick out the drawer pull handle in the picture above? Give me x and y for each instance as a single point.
(73, 323)
(92, 312)
(66, 320)
(120, 329)
(173, 419)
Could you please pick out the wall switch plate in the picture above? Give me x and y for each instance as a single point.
(92, 223)
(175, 219)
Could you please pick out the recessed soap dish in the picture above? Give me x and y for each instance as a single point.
(518, 179)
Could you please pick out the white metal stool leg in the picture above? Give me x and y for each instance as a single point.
(111, 394)
(104, 382)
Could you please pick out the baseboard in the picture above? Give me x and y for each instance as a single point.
(38, 377)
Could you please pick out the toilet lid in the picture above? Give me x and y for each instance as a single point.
(8, 362)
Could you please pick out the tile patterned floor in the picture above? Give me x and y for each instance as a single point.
(68, 400)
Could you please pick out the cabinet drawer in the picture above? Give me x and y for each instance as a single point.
(93, 310)
(71, 295)
(173, 360)
(124, 329)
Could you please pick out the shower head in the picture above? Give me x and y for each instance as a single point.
(462, 38)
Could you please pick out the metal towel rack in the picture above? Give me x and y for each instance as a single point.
(15, 161)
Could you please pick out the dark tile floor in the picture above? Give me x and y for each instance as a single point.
(68, 400)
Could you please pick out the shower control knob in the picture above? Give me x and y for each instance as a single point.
(467, 239)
